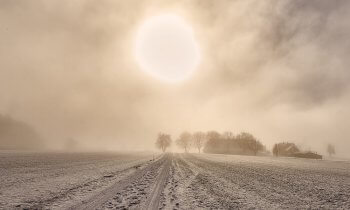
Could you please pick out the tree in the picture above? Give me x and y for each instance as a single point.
(249, 143)
(228, 143)
(163, 141)
(184, 141)
(215, 146)
(276, 150)
(199, 139)
(257, 146)
(331, 150)
(227, 135)
(213, 135)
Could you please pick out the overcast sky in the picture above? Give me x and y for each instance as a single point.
(277, 69)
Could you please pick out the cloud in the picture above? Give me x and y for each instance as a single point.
(275, 68)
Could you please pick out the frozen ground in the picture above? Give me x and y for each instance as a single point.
(171, 181)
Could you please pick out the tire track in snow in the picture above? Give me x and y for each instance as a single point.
(252, 185)
(188, 181)
(59, 200)
(155, 195)
(210, 189)
(140, 190)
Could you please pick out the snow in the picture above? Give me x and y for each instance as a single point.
(170, 181)
(33, 178)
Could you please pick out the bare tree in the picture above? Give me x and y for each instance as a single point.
(227, 135)
(249, 143)
(213, 135)
(199, 139)
(163, 141)
(331, 150)
(184, 141)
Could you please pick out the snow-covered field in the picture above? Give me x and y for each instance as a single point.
(170, 181)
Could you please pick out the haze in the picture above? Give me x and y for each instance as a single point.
(277, 69)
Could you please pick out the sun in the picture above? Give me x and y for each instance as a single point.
(166, 48)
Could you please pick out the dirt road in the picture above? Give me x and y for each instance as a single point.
(187, 181)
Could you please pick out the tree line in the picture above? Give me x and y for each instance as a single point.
(185, 141)
(214, 142)
(243, 143)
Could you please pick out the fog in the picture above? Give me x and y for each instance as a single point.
(277, 69)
